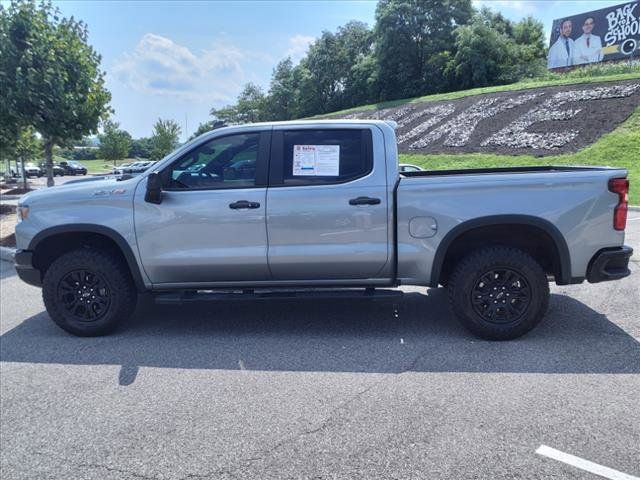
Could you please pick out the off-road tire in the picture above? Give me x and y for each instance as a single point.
(479, 285)
(117, 293)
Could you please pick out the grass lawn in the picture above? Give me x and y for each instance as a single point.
(619, 148)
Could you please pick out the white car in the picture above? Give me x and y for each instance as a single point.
(119, 170)
(32, 170)
(406, 167)
(138, 167)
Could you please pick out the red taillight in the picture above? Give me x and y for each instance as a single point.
(621, 187)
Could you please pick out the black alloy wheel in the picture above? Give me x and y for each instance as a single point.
(84, 294)
(501, 295)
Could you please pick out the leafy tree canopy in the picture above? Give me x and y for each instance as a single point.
(114, 142)
(51, 78)
(165, 138)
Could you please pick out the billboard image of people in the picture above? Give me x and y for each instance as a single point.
(611, 33)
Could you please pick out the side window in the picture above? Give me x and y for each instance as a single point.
(313, 157)
(226, 162)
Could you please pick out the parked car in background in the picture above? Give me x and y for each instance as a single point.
(406, 167)
(32, 170)
(57, 169)
(138, 167)
(72, 167)
(119, 170)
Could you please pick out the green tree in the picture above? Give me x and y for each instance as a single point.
(493, 50)
(52, 80)
(140, 148)
(207, 127)
(165, 138)
(282, 95)
(251, 104)
(328, 80)
(529, 36)
(114, 142)
(484, 56)
(355, 52)
(10, 122)
(363, 81)
(407, 34)
(250, 107)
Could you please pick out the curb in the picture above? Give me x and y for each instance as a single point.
(7, 254)
(633, 208)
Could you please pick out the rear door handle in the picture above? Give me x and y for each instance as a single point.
(364, 201)
(242, 204)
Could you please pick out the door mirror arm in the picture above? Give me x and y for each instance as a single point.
(154, 188)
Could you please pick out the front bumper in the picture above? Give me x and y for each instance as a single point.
(609, 264)
(25, 269)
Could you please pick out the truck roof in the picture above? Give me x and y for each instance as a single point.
(307, 123)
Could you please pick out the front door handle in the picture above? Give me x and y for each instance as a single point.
(364, 201)
(242, 204)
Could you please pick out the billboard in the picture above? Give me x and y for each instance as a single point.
(611, 33)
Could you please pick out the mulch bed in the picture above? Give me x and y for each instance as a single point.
(594, 118)
(7, 225)
(8, 241)
(18, 191)
(5, 209)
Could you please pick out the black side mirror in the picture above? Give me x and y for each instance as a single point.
(154, 188)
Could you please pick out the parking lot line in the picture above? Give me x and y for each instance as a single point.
(583, 464)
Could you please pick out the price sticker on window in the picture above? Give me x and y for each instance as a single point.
(316, 160)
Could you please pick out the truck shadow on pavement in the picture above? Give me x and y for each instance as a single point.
(331, 336)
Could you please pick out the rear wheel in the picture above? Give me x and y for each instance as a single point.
(499, 293)
(88, 292)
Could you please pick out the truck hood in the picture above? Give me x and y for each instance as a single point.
(85, 190)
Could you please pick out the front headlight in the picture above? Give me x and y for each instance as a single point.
(23, 212)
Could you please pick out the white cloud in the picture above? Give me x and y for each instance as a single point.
(525, 7)
(159, 66)
(298, 46)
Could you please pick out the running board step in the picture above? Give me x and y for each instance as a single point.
(176, 298)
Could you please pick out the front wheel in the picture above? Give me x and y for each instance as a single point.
(88, 292)
(499, 293)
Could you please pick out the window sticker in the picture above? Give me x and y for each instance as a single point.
(316, 160)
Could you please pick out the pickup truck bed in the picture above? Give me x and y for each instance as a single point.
(496, 170)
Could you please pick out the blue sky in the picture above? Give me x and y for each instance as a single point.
(176, 60)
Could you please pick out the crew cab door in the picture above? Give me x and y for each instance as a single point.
(210, 225)
(327, 204)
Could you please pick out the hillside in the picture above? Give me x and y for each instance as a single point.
(594, 122)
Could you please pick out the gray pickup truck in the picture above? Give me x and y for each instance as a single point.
(315, 208)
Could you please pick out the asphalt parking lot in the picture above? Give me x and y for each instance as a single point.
(317, 389)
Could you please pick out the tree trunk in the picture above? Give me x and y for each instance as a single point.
(24, 173)
(48, 157)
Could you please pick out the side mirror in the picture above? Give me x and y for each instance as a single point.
(154, 188)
